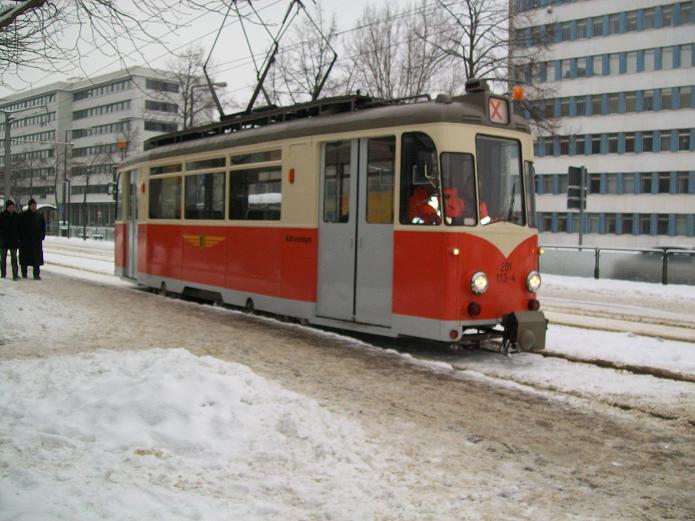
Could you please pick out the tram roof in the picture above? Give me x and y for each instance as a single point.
(365, 114)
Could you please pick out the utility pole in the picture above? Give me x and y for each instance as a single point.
(8, 156)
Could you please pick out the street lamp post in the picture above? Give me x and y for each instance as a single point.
(221, 84)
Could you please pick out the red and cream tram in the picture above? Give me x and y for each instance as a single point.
(398, 219)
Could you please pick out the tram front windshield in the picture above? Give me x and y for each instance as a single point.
(500, 187)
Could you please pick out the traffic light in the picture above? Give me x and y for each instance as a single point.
(576, 187)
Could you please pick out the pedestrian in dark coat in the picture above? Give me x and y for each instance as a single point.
(32, 231)
(9, 239)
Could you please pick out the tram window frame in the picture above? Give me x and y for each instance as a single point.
(530, 187)
(209, 212)
(414, 175)
(159, 205)
(337, 170)
(383, 171)
(206, 164)
(462, 200)
(515, 215)
(172, 168)
(240, 205)
(262, 156)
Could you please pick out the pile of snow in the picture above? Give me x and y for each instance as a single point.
(163, 434)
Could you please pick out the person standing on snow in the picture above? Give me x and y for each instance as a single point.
(9, 239)
(32, 231)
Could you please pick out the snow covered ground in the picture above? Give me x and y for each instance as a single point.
(164, 434)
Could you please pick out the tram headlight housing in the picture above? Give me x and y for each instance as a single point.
(479, 283)
(533, 281)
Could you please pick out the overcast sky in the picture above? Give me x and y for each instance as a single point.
(231, 53)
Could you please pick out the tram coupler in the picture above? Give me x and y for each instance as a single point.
(524, 331)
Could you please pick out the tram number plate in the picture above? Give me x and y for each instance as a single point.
(505, 273)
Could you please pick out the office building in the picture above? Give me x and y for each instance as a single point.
(618, 81)
(68, 136)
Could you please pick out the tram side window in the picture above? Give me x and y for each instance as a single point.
(165, 198)
(256, 194)
(458, 180)
(420, 186)
(380, 176)
(336, 182)
(205, 196)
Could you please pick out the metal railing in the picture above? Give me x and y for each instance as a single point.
(664, 265)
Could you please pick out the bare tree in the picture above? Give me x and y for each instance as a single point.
(396, 54)
(40, 34)
(306, 58)
(198, 105)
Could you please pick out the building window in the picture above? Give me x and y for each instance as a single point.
(645, 183)
(162, 86)
(681, 224)
(564, 145)
(684, 139)
(564, 107)
(565, 31)
(581, 28)
(629, 142)
(159, 126)
(632, 21)
(547, 184)
(650, 18)
(613, 143)
(685, 97)
(596, 105)
(662, 224)
(613, 103)
(682, 182)
(597, 66)
(645, 224)
(566, 69)
(610, 226)
(666, 99)
(649, 60)
(667, 58)
(581, 67)
(628, 183)
(580, 105)
(548, 144)
(686, 12)
(614, 24)
(664, 183)
(665, 141)
(595, 183)
(597, 24)
(612, 184)
(667, 15)
(614, 63)
(630, 102)
(596, 144)
(161, 106)
(687, 55)
(647, 142)
(631, 62)
(579, 145)
(547, 222)
(627, 223)
(648, 100)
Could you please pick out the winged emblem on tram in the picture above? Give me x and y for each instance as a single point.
(203, 241)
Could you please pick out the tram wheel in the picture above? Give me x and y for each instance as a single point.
(248, 307)
(454, 347)
(163, 290)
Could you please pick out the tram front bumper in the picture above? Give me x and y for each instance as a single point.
(525, 330)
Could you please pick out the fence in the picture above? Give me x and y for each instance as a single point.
(666, 265)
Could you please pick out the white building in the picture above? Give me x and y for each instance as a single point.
(622, 77)
(97, 121)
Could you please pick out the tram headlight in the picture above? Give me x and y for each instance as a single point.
(479, 283)
(533, 281)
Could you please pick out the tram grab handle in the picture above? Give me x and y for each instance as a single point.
(526, 330)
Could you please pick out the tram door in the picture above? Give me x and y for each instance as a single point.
(356, 230)
(130, 198)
